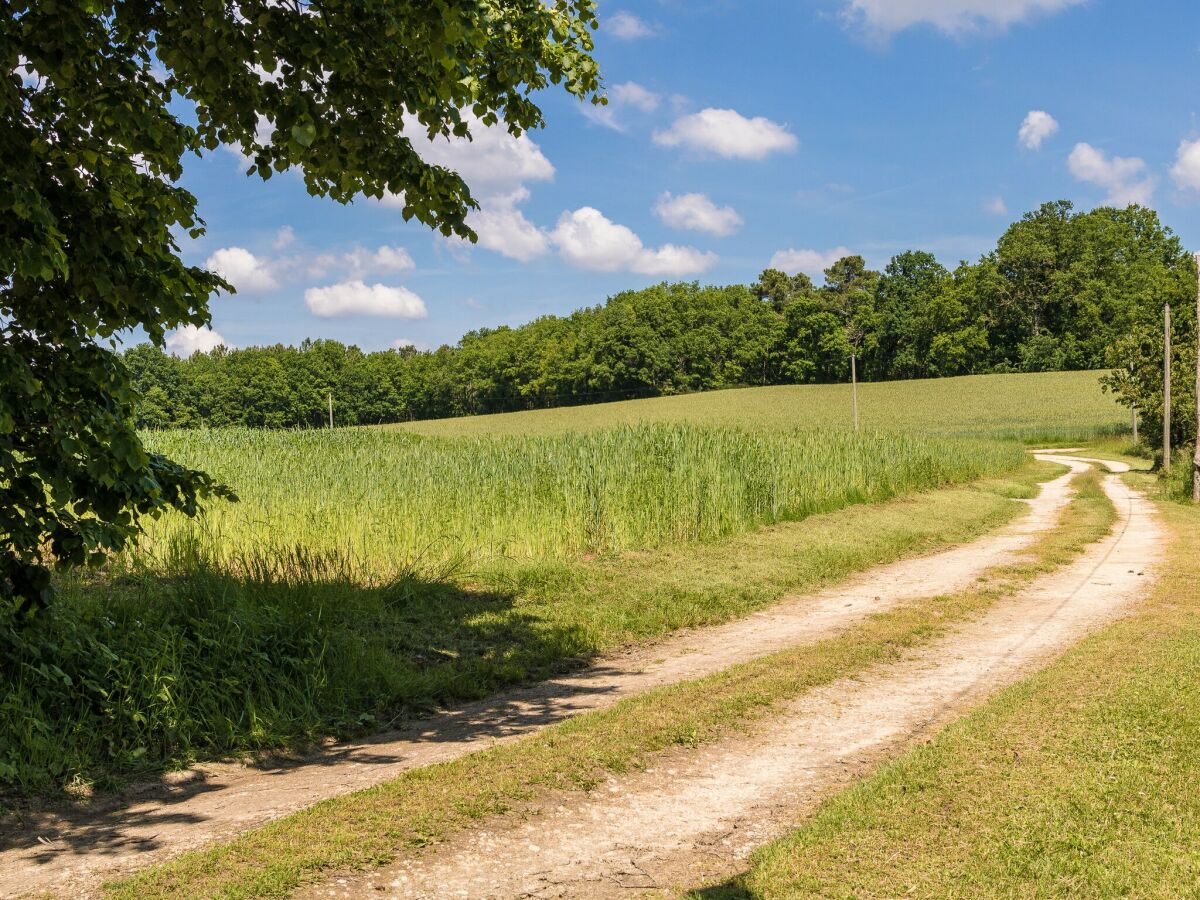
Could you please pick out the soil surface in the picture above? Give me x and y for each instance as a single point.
(71, 851)
(697, 814)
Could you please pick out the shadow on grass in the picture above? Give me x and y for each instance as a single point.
(151, 673)
(729, 890)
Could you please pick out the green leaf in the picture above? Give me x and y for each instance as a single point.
(304, 134)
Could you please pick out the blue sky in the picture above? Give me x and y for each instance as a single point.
(739, 134)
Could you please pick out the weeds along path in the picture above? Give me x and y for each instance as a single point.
(697, 814)
(212, 802)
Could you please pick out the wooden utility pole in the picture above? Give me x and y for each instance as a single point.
(1196, 454)
(1166, 464)
(331, 409)
(854, 386)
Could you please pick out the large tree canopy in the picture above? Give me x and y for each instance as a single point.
(101, 103)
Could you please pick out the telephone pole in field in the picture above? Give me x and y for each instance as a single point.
(331, 409)
(1196, 454)
(854, 386)
(1166, 463)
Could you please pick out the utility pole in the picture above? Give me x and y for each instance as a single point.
(331, 409)
(1196, 454)
(1133, 410)
(854, 386)
(1166, 464)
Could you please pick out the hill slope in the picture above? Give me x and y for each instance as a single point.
(1047, 406)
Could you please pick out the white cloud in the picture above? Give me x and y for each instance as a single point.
(406, 344)
(887, 17)
(30, 77)
(673, 260)
(358, 262)
(1186, 170)
(1037, 126)
(630, 94)
(284, 237)
(588, 240)
(268, 76)
(255, 274)
(633, 94)
(354, 298)
(1120, 176)
(810, 262)
(996, 206)
(603, 115)
(628, 27)
(243, 270)
(497, 167)
(695, 212)
(491, 162)
(728, 134)
(502, 227)
(193, 338)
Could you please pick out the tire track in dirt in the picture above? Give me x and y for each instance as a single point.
(154, 822)
(697, 814)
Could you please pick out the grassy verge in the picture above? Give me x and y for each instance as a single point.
(372, 826)
(126, 677)
(1078, 782)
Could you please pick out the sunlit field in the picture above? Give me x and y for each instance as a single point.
(611, 477)
(1039, 407)
(368, 574)
(386, 502)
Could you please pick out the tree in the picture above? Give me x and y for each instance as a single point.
(1137, 370)
(92, 148)
(849, 293)
(780, 288)
(904, 297)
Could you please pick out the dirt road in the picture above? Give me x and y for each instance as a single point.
(697, 814)
(155, 822)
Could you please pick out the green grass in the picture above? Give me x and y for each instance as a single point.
(1079, 782)
(130, 674)
(424, 805)
(370, 574)
(1035, 408)
(385, 503)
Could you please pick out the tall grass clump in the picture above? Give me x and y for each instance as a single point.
(390, 501)
(148, 670)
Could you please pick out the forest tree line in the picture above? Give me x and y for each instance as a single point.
(1062, 290)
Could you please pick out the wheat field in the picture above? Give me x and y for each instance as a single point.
(383, 502)
(1042, 407)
